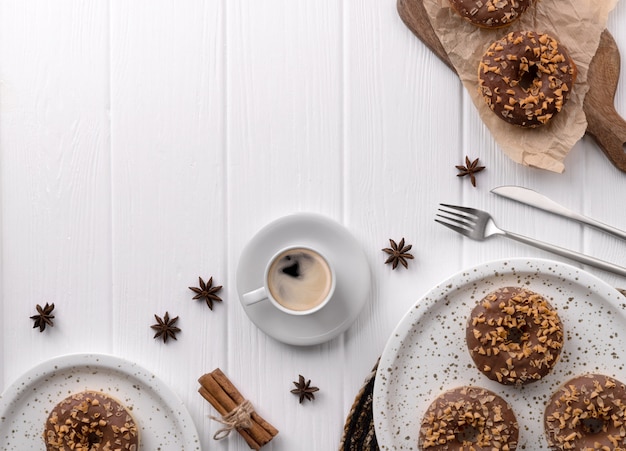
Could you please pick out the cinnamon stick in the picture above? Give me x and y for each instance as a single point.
(224, 396)
(222, 411)
(232, 391)
(260, 435)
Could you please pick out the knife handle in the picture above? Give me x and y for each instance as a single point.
(599, 225)
(534, 199)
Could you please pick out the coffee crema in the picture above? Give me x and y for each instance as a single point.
(299, 279)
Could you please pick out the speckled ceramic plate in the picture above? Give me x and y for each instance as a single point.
(164, 421)
(427, 355)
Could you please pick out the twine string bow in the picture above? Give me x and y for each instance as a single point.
(238, 418)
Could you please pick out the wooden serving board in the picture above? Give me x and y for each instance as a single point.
(603, 122)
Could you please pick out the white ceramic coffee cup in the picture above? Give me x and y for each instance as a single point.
(298, 280)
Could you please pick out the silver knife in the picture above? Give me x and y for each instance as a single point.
(534, 199)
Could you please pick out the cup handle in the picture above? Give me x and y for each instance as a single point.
(252, 297)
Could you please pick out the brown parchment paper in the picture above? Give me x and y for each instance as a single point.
(577, 24)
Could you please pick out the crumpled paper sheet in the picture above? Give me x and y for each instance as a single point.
(577, 24)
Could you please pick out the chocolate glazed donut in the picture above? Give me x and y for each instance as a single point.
(490, 13)
(514, 336)
(526, 78)
(469, 418)
(587, 413)
(90, 421)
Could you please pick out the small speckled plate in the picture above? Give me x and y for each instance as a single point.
(426, 354)
(164, 422)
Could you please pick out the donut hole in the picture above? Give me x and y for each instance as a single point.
(592, 425)
(527, 78)
(93, 439)
(466, 434)
(516, 334)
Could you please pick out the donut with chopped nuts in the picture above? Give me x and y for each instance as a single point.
(490, 13)
(514, 336)
(90, 421)
(526, 78)
(587, 413)
(468, 418)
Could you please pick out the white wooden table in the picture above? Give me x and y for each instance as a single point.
(143, 143)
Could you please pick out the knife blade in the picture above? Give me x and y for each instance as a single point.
(527, 196)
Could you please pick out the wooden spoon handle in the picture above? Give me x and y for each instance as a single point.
(603, 122)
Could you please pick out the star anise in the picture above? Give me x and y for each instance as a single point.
(207, 292)
(398, 253)
(165, 327)
(303, 389)
(470, 169)
(44, 317)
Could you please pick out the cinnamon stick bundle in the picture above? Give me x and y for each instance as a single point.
(218, 390)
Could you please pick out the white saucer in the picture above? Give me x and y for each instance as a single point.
(343, 251)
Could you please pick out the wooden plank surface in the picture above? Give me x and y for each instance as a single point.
(143, 144)
(56, 185)
(169, 187)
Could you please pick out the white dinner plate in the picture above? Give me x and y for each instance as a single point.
(164, 422)
(427, 355)
(342, 250)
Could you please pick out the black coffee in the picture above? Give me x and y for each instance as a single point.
(299, 279)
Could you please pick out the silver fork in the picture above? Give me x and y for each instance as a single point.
(479, 225)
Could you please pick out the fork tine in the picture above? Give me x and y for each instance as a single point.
(457, 229)
(471, 211)
(458, 219)
(463, 220)
(467, 218)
